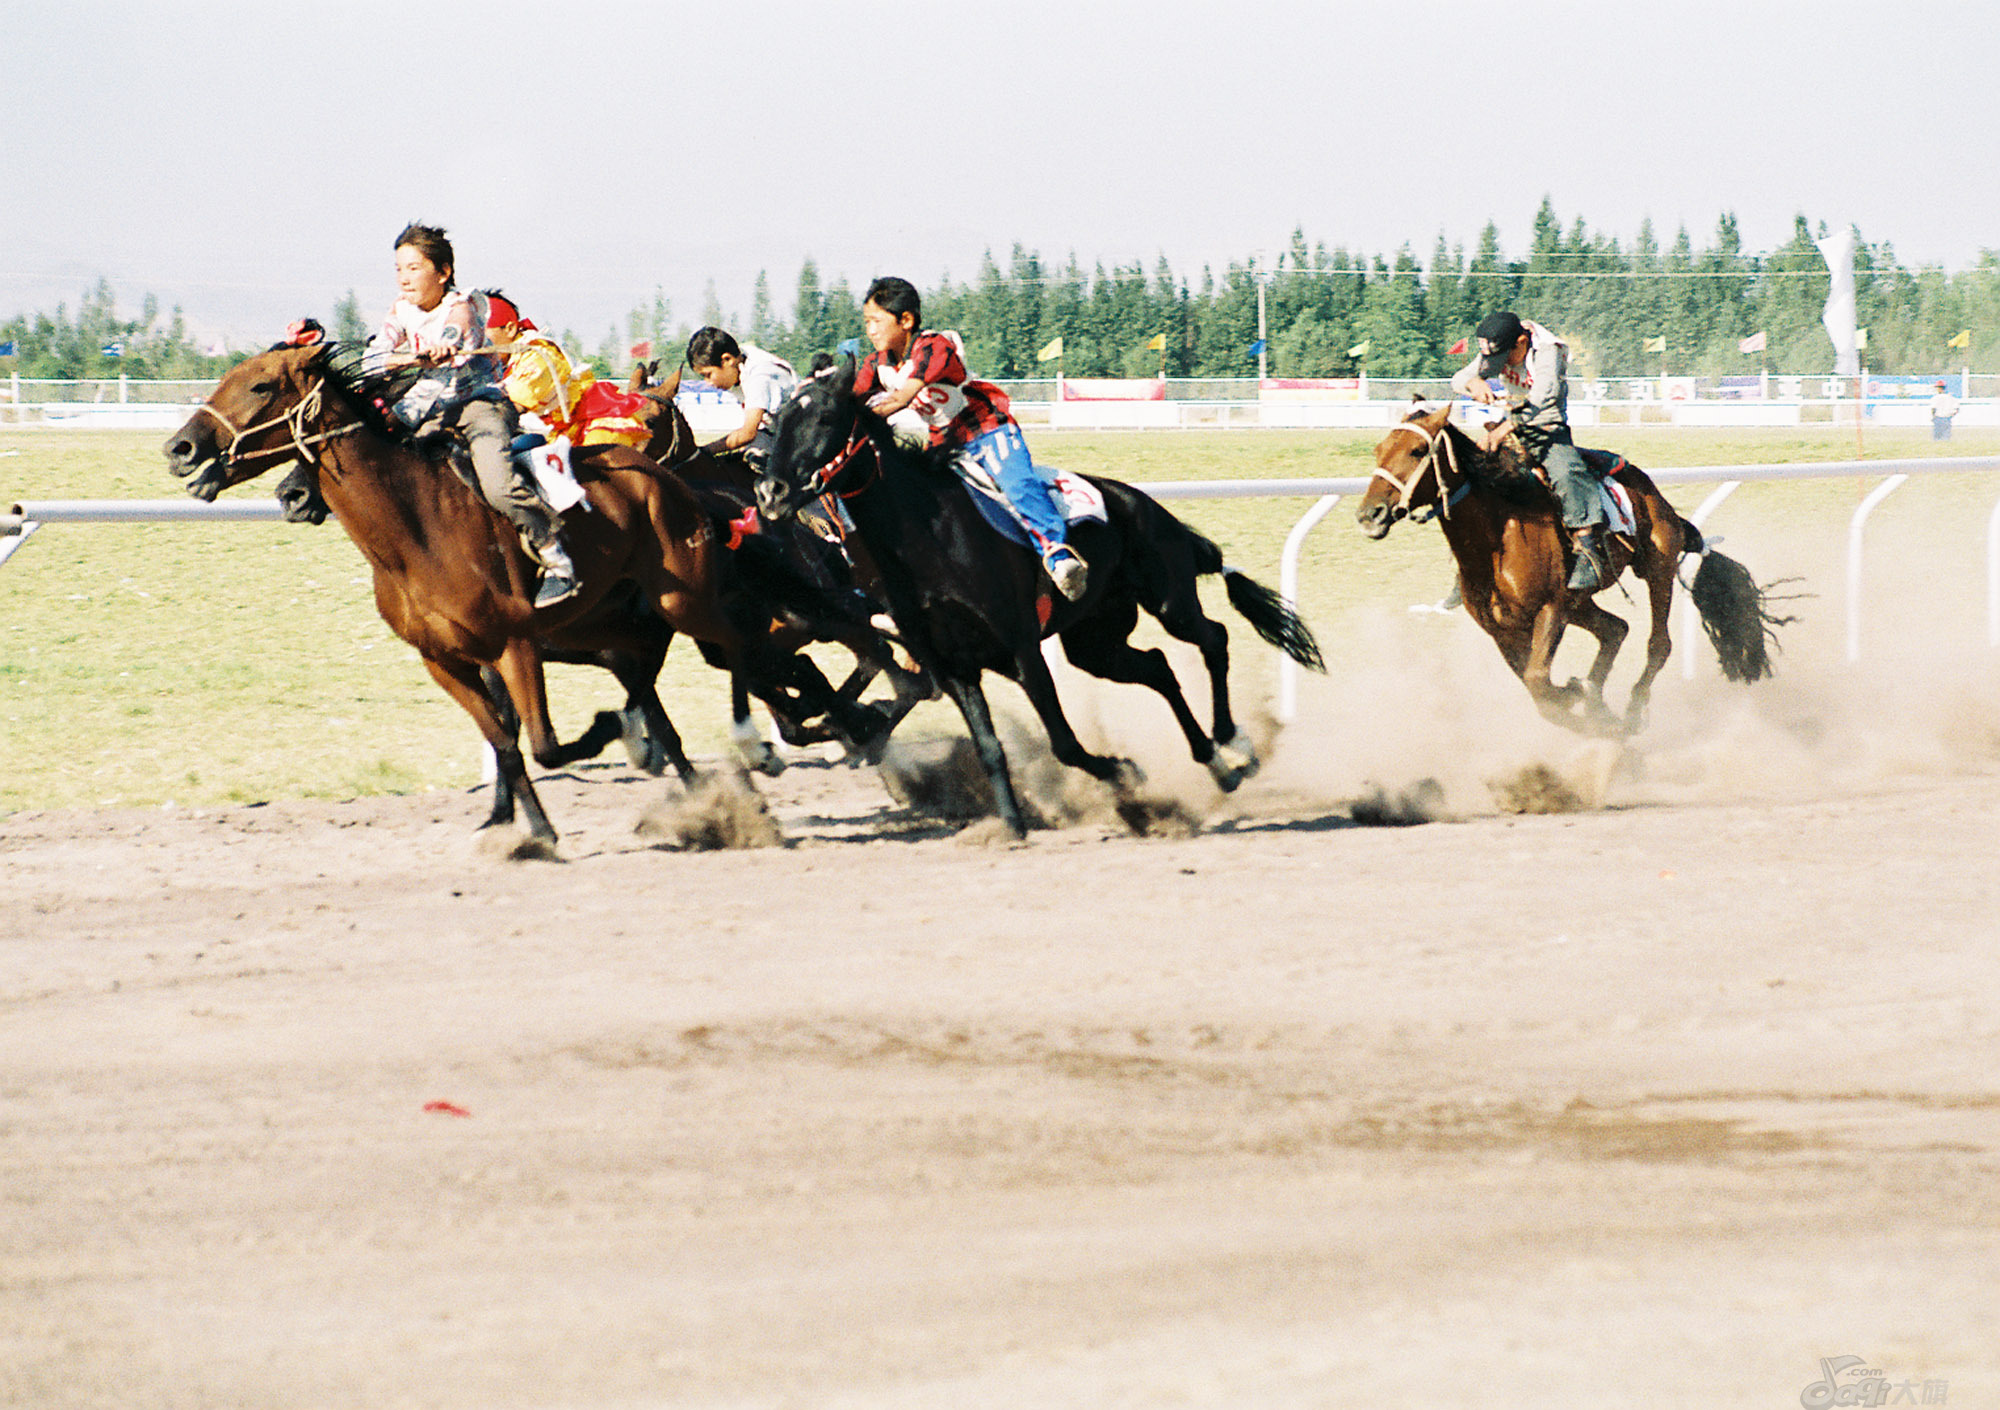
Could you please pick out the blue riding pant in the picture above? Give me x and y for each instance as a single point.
(1001, 455)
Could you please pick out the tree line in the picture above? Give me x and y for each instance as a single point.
(1628, 310)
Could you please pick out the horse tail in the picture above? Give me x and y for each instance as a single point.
(1272, 618)
(1736, 615)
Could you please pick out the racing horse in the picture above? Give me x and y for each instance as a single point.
(621, 636)
(965, 600)
(1505, 531)
(450, 575)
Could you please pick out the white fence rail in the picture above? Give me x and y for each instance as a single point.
(26, 517)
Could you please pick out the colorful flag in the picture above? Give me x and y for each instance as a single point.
(1455, 349)
(642, 350)
(1051, 352)
(1158, 343)
(1360, 349)
(1861, 340)
(114, 350)
(1963, 340)
(8, 349)
(1753, 343)
(1658, 344)
(1257, 348)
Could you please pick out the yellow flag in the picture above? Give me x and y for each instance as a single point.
(1963, 340)
(1360, 349)
(1861, 340)
(1051, 352)
(1158, 343)
(1656, 345)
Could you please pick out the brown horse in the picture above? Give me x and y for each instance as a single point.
(451, 577)
(1506, 533)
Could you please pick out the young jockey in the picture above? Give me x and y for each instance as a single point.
(540, 379)
(1533, 364)
(762, 381)
(926, 372)
(438, 328)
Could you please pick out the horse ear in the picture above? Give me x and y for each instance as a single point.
(843, 375)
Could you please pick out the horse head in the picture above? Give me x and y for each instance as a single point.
(818, 433)
(1407, 469)
(255, 417)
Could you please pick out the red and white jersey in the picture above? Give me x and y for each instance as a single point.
(953, 405)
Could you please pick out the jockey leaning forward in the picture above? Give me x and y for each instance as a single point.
(1533, 364)
(762, 381)
(441, 330)
(925, 372)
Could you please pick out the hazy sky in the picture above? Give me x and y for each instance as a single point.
(252, 162)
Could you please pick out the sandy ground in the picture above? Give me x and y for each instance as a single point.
(1655, 1104)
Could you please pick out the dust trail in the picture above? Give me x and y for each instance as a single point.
(718, 811)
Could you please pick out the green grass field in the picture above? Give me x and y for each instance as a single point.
(146, 664)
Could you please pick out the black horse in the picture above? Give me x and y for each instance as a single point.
(965, 600)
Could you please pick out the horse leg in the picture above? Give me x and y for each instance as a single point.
(1556, 702)
(1098, 645)
(1610, 630)
(746, 736)
(1033, 674)
(1659, 575)
(971, 702)
(462, 682)
(1235, 756)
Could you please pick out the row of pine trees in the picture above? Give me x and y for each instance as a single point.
(1329, 312)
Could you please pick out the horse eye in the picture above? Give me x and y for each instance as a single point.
(264, 389)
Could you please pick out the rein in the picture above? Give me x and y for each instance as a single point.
(306, 409)
(1407, 489)
(821, 480)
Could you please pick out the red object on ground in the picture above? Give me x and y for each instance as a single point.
(448, 1108)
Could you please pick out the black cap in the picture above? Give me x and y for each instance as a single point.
(1501, 331)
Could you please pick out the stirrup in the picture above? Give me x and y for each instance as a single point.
(1067, 571)
(1589, 571)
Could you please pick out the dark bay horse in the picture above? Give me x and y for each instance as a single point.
(1505, 531)
(966, 601)
(450, 576)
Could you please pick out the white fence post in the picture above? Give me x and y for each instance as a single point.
(1854, 528)
(1288, 588)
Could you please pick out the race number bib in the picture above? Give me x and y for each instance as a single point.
(550, 462)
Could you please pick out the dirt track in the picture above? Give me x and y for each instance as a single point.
(1653, 1105)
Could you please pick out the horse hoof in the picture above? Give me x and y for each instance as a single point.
(1127, 777)
(1234, 760)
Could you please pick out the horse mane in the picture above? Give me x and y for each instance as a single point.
(1504, 473)
(370, 393)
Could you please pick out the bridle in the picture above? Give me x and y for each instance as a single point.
(1406, 489)
(820, 482)
(307, 409)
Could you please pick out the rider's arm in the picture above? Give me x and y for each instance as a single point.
(889, 403)
(1467, 382)
(753, 417)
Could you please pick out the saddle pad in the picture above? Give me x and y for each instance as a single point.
(553, 476)
(1078, 497)
(1617, 507)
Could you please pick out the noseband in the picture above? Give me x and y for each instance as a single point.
(1406, 489)
(306, 409)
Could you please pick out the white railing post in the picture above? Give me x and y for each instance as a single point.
(1288, 588)
(1689, 617)
(1854, 528)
